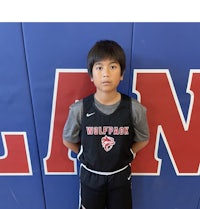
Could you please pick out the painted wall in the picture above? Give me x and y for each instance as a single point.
(43, 70)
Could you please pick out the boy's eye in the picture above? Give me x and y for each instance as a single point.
(99, 67)
(113, 67)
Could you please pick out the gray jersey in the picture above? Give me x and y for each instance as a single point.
(73, 124)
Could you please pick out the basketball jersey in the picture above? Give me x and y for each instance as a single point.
(106, 140)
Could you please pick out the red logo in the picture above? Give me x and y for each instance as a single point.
(107, 143)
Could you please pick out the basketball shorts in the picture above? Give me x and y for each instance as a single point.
(105, 191)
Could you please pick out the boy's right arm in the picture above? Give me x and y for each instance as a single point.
(72, 146)
(72, 127)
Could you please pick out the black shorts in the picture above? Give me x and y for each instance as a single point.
(105, 191)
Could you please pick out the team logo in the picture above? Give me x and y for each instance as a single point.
(107, 143)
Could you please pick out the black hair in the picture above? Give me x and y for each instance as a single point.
(106, 49)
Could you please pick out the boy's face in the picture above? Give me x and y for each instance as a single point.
(106, 75)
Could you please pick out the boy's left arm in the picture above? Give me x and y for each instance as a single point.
(137, 146)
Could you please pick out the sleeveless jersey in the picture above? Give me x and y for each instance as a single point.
(106, 140)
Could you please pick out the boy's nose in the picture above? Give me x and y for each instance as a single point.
(105, 72)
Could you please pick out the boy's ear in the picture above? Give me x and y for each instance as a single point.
(122, 77)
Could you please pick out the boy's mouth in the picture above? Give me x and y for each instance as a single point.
(106, 82)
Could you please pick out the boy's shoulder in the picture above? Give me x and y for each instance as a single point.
(132, 99)
(77, 104)
(136, 105)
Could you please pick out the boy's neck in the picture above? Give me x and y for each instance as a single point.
(108, 98)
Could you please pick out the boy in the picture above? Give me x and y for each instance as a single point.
(106, 130)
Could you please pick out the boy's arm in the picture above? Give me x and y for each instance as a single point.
(137, 146)
(72, 146)
(141, 127)
(72, 127)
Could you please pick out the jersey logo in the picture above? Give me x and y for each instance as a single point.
(90, 114)
(107, 143)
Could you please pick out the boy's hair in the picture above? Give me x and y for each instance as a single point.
(106, 49)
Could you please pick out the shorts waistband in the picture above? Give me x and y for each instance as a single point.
(104, 173)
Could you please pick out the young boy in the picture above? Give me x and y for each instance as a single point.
(106, 130)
